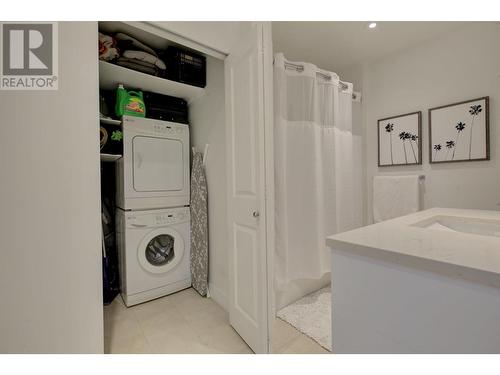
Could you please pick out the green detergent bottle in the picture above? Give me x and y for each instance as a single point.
(129, 103)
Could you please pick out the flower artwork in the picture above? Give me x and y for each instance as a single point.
(461, 130)
(399, 140)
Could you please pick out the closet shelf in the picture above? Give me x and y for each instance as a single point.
(110, 75)
(110, 121)
(110, 157)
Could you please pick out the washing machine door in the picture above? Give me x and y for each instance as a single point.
(161, 250)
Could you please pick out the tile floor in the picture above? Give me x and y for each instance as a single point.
(288, 340)
(184, 322)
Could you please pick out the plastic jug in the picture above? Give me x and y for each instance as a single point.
(129, 103)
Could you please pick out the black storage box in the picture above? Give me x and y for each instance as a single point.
(186, 67)
(165, 108)
(107, 100)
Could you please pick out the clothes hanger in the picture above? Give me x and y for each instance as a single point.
(205, 152)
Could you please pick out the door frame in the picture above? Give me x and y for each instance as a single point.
(268, 58)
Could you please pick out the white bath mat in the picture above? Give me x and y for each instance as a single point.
(311, 315)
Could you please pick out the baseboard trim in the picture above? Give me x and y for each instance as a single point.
(218, 296)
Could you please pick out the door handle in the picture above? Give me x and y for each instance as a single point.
(256, 214)
(138, 162)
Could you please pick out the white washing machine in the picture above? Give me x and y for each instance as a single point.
(154, 169)
(153, 253)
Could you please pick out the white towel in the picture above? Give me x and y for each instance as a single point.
(395, 196)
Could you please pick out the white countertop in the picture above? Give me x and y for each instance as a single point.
(398, 236)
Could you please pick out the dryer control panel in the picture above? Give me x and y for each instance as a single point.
(169, 129)
(148, 126)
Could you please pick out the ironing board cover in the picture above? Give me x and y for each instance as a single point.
(199, 226)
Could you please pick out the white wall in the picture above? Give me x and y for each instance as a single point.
(355, 75)
(220, 36)
(207, 118)
(460, 65)
(50, 251)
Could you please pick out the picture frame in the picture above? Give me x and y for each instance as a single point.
(460, 131)
(400, 140)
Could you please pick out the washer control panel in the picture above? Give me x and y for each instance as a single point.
(169, 218)
(157, 218)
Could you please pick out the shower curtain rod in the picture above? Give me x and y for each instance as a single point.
(300, 68)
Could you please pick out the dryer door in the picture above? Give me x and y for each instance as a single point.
(161, 250)
(158, 164)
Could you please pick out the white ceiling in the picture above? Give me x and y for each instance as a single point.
(336, 46)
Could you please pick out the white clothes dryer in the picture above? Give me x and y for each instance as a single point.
(154, 170)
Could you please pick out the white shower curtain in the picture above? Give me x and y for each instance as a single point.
(315, 188)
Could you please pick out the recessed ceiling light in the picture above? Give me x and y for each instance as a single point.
(372, 25)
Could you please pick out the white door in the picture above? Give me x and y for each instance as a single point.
(246, 172)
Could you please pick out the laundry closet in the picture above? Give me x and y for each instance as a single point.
(146, 175)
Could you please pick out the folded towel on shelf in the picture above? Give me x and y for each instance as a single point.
(137, 62)
(146, 57)
(395, 196)
(107, 47)
(126, 42)
(138, 65)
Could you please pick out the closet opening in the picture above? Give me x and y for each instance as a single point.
(163, 199)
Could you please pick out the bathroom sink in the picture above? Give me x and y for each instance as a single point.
(481, 227)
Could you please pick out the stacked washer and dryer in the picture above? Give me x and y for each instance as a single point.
(152, 219)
